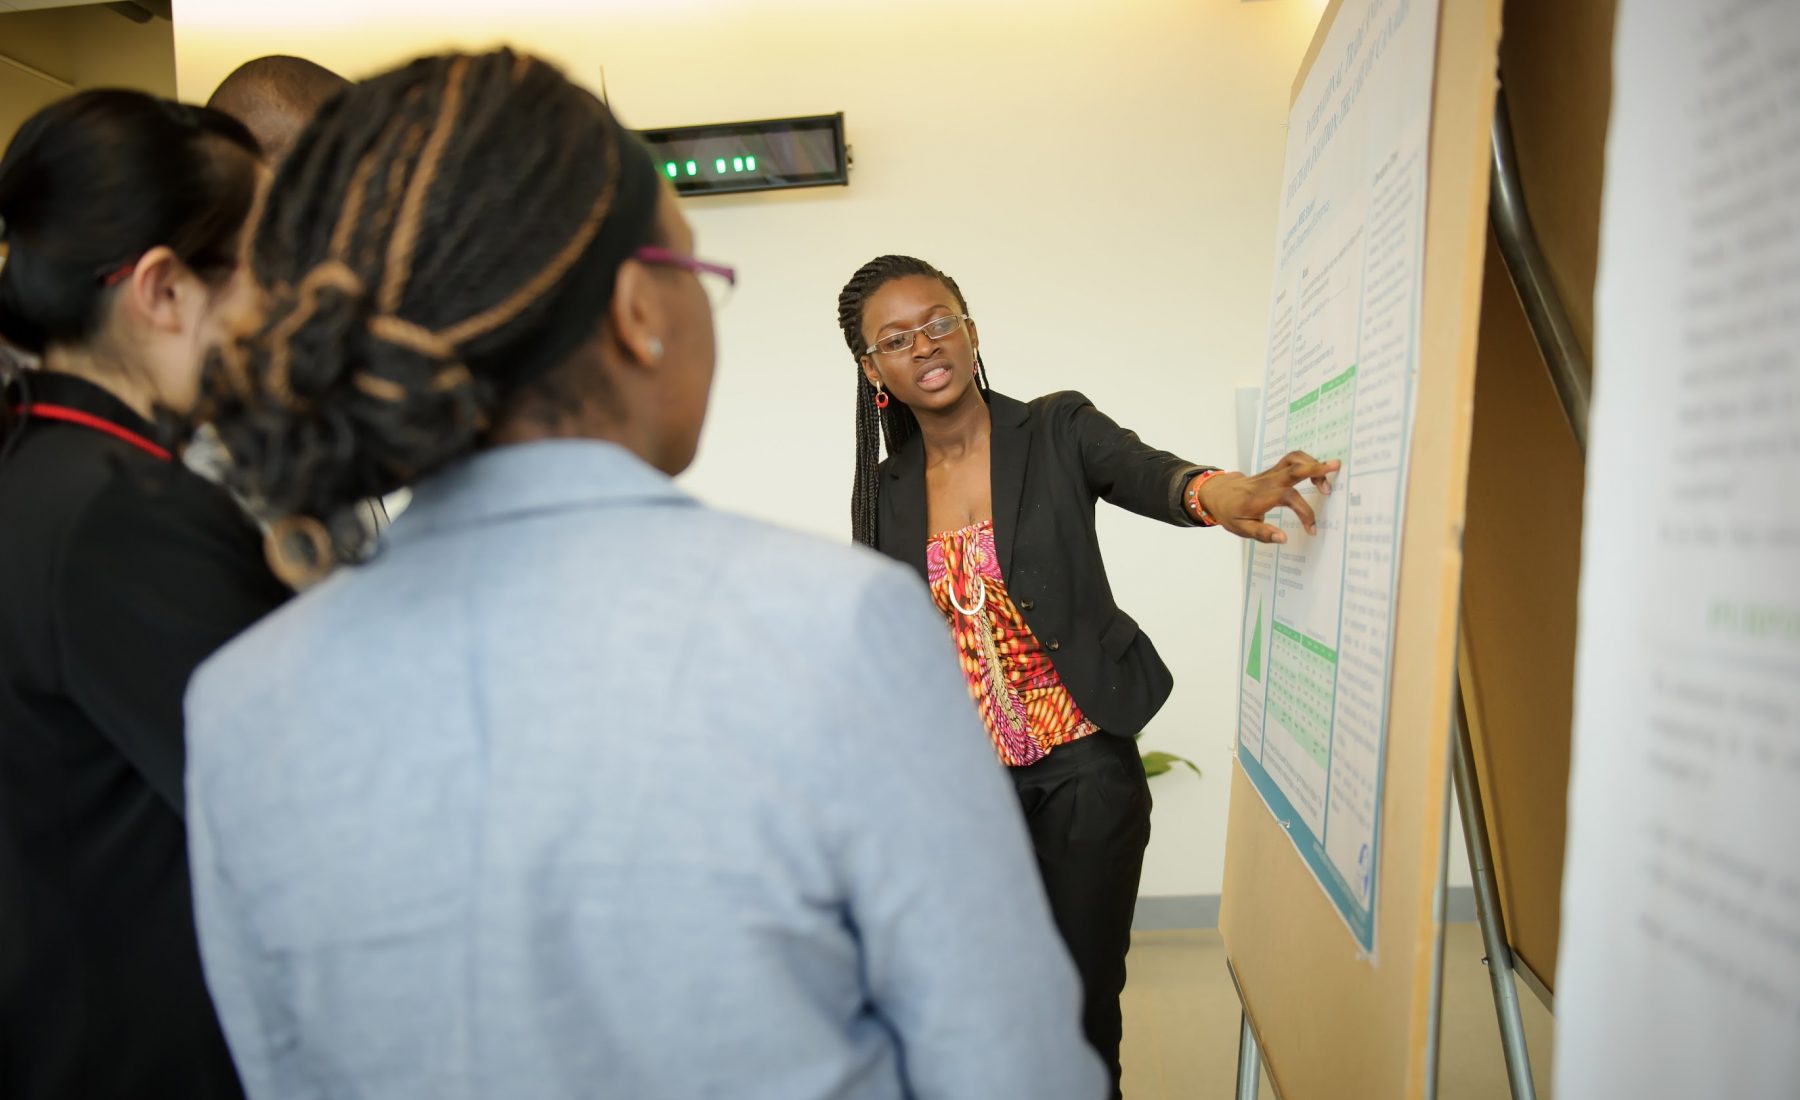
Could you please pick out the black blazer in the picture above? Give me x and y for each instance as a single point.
(1051, 460)
(119, 573)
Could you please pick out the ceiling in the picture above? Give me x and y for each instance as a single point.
(146, 7)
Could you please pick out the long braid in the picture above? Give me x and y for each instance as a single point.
(867, 487)
(896, 424)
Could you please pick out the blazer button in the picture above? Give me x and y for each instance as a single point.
(1027, 604)
(1055, 645)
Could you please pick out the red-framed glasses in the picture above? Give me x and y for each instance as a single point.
(718, 280)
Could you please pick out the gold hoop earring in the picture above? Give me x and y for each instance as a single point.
(287, 566)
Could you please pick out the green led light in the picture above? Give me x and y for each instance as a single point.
(693, 168)
(719, 166)
(670, 168)
(737, 164)
(749, 164)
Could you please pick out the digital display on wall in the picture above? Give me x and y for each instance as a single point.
(772, 155)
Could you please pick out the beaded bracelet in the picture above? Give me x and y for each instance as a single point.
(1193, 498)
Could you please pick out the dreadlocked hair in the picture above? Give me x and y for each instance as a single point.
(434, 250)
(895, 424)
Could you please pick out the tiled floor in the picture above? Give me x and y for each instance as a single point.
(1181, 1022)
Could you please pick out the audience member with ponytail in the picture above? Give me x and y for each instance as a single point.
(991, 501)
(119, 572)
(570, 787)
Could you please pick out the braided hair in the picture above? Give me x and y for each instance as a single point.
(895, 424)
(437, 246)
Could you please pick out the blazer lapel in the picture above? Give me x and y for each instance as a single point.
(1009, 448)
(902, 535)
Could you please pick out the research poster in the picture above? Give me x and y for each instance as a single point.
(1338, 384)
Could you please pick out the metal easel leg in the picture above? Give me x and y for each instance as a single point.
(1487, 914)
(1249, 1077)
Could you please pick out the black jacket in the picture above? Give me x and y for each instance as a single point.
(1051, 460)
(119, 573)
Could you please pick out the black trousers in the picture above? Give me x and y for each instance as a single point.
(1087, 805)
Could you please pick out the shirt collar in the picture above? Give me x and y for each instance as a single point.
(51, 387)
(1003, 412)
(548, 476)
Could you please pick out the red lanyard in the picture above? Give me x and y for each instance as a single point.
(88, 420)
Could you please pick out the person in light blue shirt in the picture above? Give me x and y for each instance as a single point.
(572, 787)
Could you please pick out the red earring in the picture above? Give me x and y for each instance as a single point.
(881, 399)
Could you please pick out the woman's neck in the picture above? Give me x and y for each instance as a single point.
(113, 378)
(953, 432)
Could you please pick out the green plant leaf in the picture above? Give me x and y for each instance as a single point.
(1156, 763)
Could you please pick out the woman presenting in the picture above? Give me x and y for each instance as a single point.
(991, 500)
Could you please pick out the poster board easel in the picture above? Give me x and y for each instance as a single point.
(1328, 1022)
(1522, 546)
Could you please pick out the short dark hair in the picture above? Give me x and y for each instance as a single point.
(275, 97)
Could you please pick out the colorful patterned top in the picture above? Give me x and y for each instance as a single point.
(1027, 709)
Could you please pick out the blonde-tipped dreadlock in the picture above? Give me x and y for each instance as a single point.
(439, 242)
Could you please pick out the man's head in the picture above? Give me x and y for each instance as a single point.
(276, 97)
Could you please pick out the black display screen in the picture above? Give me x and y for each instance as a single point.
(751, 156)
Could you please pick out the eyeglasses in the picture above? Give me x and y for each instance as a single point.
(899, 343)
(716, 279)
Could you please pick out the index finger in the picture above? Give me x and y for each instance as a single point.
(1300, 466)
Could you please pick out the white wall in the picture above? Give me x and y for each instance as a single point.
(1101, 179)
